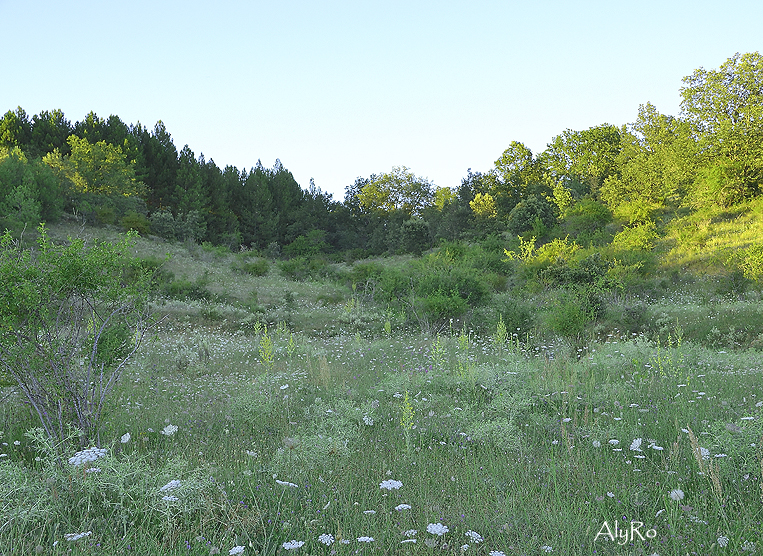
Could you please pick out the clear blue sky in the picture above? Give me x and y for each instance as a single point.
(340, 89)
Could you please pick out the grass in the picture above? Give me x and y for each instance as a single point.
(288, 433)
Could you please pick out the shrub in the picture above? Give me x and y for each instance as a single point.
(522, 217)
(134, 221)
(86, 319)
(585, 219)
(259, 267)
(636, 238)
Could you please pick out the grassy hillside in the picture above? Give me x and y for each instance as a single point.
(336, 408)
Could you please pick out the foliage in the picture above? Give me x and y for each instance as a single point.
(523, 217)
(586, 156)
(585, 218)
(636, 238)
(399, 190)
(752, 263)
(483, 206)
(63, 301)
(725, 110)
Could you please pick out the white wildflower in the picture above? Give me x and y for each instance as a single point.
(170, 486)
(287, 483)
(474, 536)
(125, 438)
(365, 539)
(169, 430)
(236, 550)
(401, 507)
(636, 445)
(723, 540)
(390, 484)
(326, 539)
(292, 544)
(86, 456)
(77, 536)
(437, 529)
(677, 494)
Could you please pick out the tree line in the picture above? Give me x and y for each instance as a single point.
(710, 156)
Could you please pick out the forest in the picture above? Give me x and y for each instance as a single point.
(108, 172)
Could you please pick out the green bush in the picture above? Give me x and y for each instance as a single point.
(135, 221)
(636, 238)
(259, 267)
(585, 220)
(522, 217)
(442, 306)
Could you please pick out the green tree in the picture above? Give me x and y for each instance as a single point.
(398, 190)
(725, 110)
(15, 129)
(50, 131)
(518, 174)
(70, 318)
(656, 165)
(29, 191)
(587, 157)
(100, 168)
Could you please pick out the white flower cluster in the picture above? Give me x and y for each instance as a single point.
(437, 529)
(292, 544)
(287, 483)
(390, 484)
(236, 550)
(326, 539)
(76, 536)
(474, 536)
(169, 430)
(173, 484)
(86, 456)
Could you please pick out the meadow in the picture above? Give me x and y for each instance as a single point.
(267, 415)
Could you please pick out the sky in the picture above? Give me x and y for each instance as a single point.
(343, 89)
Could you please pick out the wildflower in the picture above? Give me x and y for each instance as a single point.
(17, 443)
(284, 387)
(408, 540)
(77, 536)
(125, 438)
(596, 444)
(497, 553)
(170, 498)
(93, 470)
(437, 529)
(636, 445)
(611, 494)
(236, 550)
(292, 544)
(723, 541)
(474, 536)
(390, 484)
(369, 512)
(169, 430)
(401, 507)
(704, 452)
(614, 442)
(365, 539)
(546, 548)
(464, 547)
(171, 485)
(86, 456)
(368, 420)
(566, 420)
(286, 483)
(677, 494)
(326, 539)
(410, 533)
